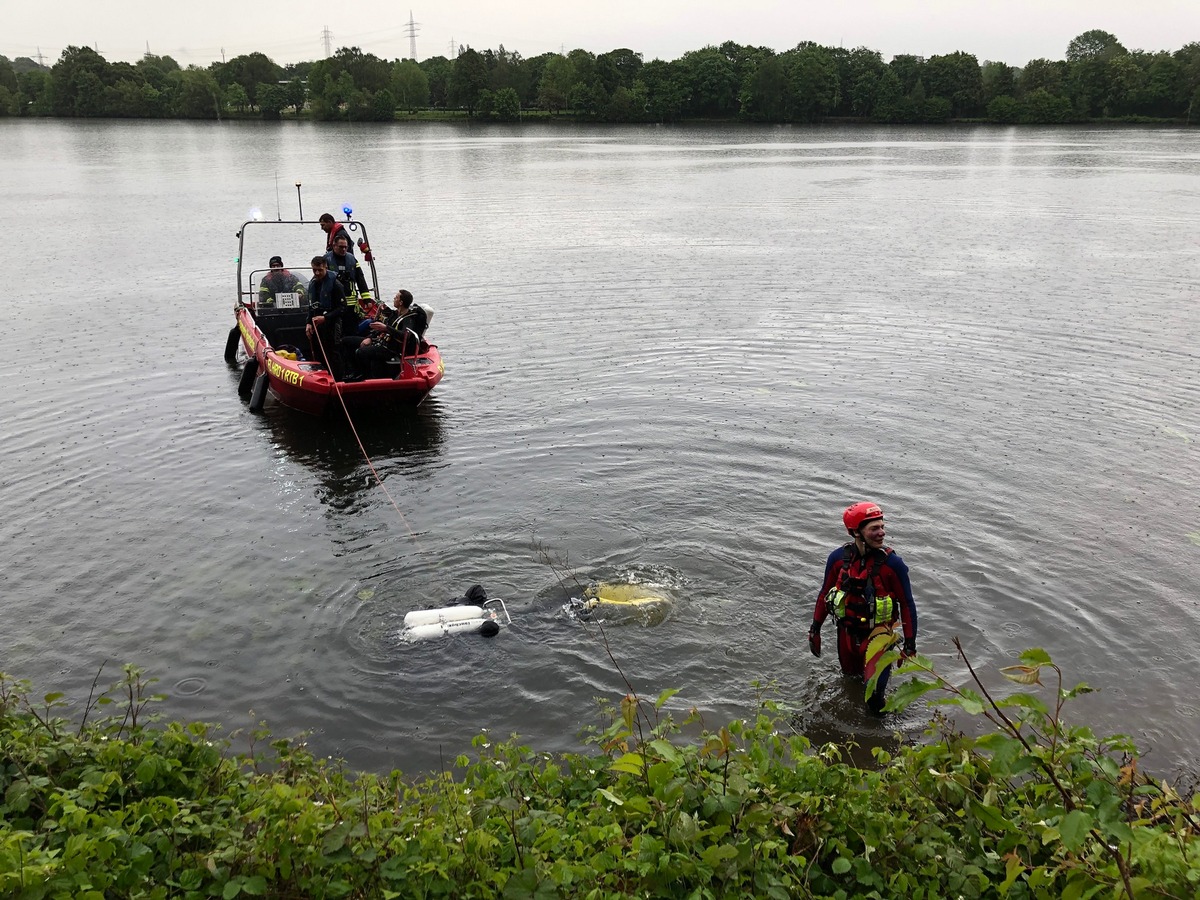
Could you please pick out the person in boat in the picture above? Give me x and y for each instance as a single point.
(326, 307)
(343, 264)
(402, 335)
(279, 281)
(333, 228)
(867, 591)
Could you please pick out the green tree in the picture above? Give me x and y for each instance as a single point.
(199, 95)
(410, 85)
(554, 87)
(272, 98)
(34, 93)
(813, 82)
(508, 105)
(890, 103)
(624, 63)
(383, 106)
(1003, 110)
(367, 71)
(863, 71)
(999, 80)
(437, 69)
(296, 94)
(1041, 73)
(626, 104)
(956, 77)
(249, 70)
(128, 99)
(712, 83)
(1095, 44)
(1159, 90)
(666, 88)
(9, 102)
(468, 76)
(1095, 83)
(236, 98)
(908, 69)
(764, 96)
(77, 82)
(1040, 107)
(8, 75)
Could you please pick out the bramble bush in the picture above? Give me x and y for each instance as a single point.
(121, 806)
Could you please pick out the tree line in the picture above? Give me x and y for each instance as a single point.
(1098, 79)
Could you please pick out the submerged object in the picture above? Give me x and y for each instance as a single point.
(484, 618)
(621, 601)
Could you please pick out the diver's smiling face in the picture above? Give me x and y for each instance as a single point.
(873, 534)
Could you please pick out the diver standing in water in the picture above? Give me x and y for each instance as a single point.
(866, 588)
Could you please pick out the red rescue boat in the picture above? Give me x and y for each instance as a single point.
(270, 336)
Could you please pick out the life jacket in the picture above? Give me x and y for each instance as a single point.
(338, 229)
(859, 599)
(321, 298)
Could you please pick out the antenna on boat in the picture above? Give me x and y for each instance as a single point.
(278, 208)
(299, 202)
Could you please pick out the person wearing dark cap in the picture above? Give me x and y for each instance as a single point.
(279, 281)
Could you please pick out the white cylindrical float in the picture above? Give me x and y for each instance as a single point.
(424, 624)
(445, 614)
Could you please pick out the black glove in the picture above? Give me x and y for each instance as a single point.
(910, 648)
(814, 639)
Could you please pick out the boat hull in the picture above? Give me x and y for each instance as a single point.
(306, 386)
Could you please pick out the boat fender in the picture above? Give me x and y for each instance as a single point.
(258, 396)
(231, 344)
(248, 372)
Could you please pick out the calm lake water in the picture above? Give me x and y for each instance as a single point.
(673, 356)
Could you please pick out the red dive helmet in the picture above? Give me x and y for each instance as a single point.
(855, 516)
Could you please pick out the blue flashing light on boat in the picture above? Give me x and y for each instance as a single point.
(347, 210)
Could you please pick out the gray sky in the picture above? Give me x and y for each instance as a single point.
(1011, 31)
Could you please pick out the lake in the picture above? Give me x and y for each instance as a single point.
(673, 356)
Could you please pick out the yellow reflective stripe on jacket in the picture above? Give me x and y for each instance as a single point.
(837, 599)
(883, 609)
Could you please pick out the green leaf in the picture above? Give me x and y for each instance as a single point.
(665, 749)
(841, 866)
(1023, 674)
(1074, 829)
(990, 816)
(1013, 867)
(633, 763)
(1023, 701)
(908, 692)
(233, 887)
(255, 885)
(665, 696)
(1036, 656)
(970, 702)
(610, 797)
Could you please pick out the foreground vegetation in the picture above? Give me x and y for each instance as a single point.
(119, 806)
(1099, 79)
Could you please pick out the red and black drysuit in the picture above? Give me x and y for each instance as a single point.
(880, 574)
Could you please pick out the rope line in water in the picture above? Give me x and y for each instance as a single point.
(363, 450)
